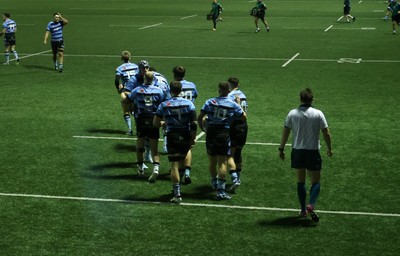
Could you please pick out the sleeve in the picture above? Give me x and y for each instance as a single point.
(322, 123)
(288, 122)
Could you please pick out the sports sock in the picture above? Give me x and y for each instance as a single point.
(128, 121)
(177, 189)
(156, 166)
(187, 170)
(61, 66)
(234, 175)
(15, 54)
(221, 184)
(302, 194)
(7, 54)
(314, 192)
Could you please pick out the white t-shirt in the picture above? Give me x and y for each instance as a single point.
(306, 123)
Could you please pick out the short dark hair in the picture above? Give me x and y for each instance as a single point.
(223, 87)
(56, 13)
(306, 95)
(179, 72)
(7, 15)
(175, 87)
(233, 81)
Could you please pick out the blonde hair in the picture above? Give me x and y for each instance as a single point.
(148, 77)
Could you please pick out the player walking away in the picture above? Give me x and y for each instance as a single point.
(136, 81)
(9, 30)
(161, 82)
(306, 123)
(216, 9)
(346, 11)
(122, 75)
(55, 27)
(260, 15)
(394, 9)
(189, 92)
(146, 99)
(179, 116)
(218, 114)
(238, 134)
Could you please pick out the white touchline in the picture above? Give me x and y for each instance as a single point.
(150, 26)
(30, 55)
(195, 204)
(197, 137)
(328, 28)
(187, 17)
(291, 59)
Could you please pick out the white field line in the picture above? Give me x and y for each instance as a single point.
(379, 11)
(326, 30)
(377, 214)
(340, 18)
(200, 135)
(291, 59)
(360, 2)
(31, 55)
(188, 17)
(204, 58)
(197, 137)
(150, 26)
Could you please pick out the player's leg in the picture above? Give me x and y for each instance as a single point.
(54, 50)
(60, 57)
(175, 178)
(15, 52)
(301, 190)
(186, 166)
(213, 170)
(264, 21)
(139, 154)
(7, 54)
(222, 163)
(126, 107)
(256, 23)
(153, 140)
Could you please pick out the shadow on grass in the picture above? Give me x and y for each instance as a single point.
(29, 66)
(107, 131)
(289, 222)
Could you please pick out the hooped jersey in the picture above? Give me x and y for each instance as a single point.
(177, 112)
(221, 112)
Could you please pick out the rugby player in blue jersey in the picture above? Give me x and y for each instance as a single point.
(161, 82)
(179, 116)
(146, 99)
(122, 75)
(218, 115)
(55, 27)
(189, 92)
(238, 134)
(9, 30)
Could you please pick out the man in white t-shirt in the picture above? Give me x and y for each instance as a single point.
(306, 123)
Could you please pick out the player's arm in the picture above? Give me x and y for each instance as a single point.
(65, 21)
(193, 128)
(3, 32)
(284, 139)
(117, 84)
(46, 35)
(200, 120)
(158, 121)
(327, 137)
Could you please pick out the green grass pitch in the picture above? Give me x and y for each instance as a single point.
(68, 183)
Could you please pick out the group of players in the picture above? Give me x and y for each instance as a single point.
(154, 103)
(55, 28)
